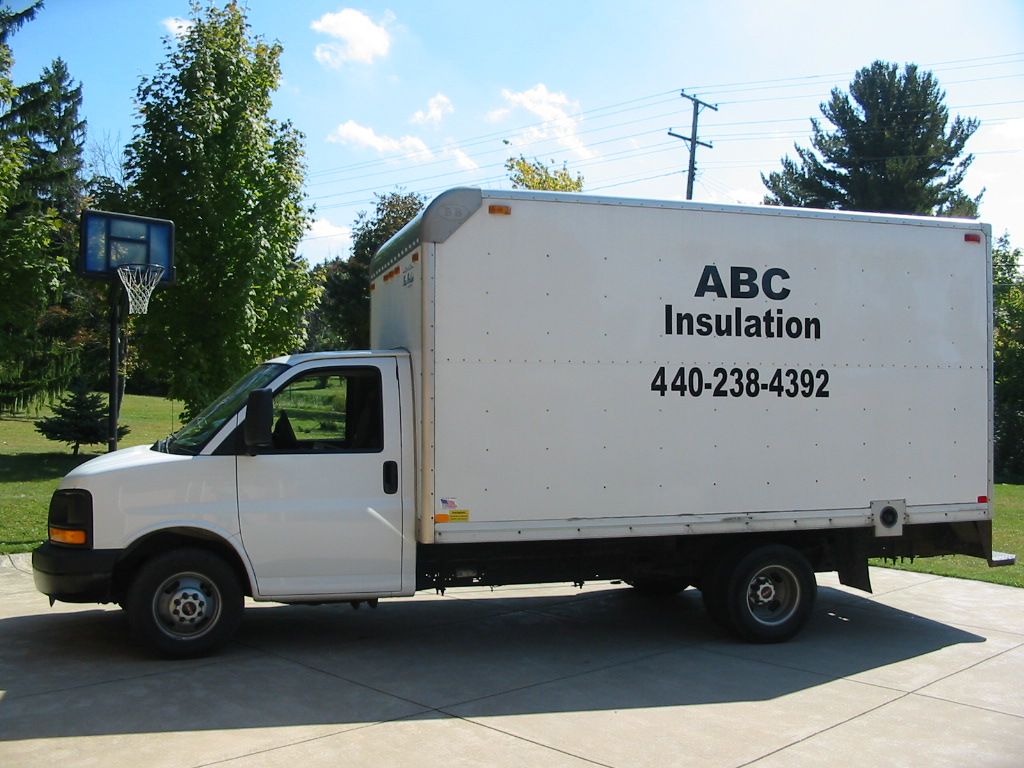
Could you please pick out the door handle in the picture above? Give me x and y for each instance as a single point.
(390, 477)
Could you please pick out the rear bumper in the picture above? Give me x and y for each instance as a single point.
(75, 575)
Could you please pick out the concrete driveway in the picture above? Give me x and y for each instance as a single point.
(929, 671)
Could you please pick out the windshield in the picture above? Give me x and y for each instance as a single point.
(191, 438)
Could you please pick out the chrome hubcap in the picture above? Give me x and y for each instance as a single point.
(187, 605)
(773, 594)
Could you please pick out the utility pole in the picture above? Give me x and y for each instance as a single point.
(692, 140)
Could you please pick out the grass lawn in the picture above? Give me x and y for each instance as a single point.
(1007, 535)
(31, 466)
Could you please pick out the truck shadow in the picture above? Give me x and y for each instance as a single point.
(470, 654)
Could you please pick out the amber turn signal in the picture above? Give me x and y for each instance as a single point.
(67, 536)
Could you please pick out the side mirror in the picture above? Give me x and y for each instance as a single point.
(259, 421)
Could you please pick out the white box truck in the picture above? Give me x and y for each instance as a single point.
(567, 388)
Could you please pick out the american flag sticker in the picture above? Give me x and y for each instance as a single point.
(449, 504)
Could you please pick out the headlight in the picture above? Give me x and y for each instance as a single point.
(70, 518)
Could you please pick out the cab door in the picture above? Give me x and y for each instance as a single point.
(320, 511)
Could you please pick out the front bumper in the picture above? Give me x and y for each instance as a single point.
(75, 575)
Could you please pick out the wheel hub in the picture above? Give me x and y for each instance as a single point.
(187, 605)
(773, 595)
(764, 591)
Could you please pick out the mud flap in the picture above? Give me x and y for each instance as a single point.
(852, 563)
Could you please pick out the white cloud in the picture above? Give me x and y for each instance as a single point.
(408, 147)
(361, 40)
(498, 115)
(325, 240)
(177, 26)
(462, 160)
(744, 196)
(438, 106)
(556, 113)
(351, 132)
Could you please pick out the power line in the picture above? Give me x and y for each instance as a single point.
(593, 122)
(608, 110)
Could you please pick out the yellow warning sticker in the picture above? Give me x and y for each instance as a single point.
(459, 515)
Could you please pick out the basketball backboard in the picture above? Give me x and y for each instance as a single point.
(112, 240)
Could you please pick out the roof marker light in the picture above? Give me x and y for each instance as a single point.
(972, 237)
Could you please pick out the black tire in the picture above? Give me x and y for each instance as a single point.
(184, 603)
(658, 587)
(769, 594)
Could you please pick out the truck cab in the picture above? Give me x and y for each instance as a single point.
(316, 506)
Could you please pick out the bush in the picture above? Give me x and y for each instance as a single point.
(80, 417)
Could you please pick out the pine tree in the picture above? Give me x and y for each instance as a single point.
(79, 418)
(45, 114)
(32, 261)
(893, 150)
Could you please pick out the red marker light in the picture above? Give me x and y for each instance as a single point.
(983, 499)
(972, 237)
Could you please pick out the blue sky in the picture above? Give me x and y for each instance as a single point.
(430, 95)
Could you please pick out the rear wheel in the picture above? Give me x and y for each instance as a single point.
(184, 603)
(769, 594)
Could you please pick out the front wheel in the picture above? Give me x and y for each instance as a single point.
(769, 594)
(184, 603)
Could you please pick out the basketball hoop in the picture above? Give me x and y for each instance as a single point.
(139, 281)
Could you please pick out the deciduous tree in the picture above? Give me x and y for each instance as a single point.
(1008, 350)
(527, 174)
(208, 156)
(345, 310)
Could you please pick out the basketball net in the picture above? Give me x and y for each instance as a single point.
(139, 281)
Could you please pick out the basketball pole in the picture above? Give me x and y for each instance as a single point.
(132, 253)
(115, 363)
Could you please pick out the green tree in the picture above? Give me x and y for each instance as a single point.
(31, 261)
(892, 150)
(345, 308)
(46, 114)
(320, 325)
(79, 418)
(525, 174)
(1008, 351)
(207, 155)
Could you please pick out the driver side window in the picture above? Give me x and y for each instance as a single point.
(330, 411)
